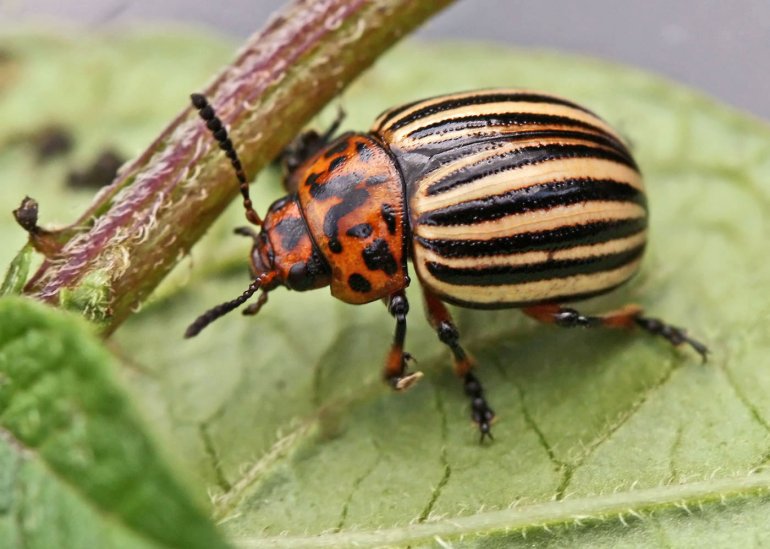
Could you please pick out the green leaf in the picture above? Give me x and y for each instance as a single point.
(77, 468)
(17, 272)
(603, 438)
(286, 416)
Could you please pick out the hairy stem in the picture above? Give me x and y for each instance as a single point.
(163, 201)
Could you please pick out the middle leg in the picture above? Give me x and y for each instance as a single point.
(441, 320)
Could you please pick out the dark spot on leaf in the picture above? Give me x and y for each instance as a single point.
(51, 141)
(102, 172)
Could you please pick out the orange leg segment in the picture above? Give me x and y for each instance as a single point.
(628, 317)
(395, 373)
(441, 320)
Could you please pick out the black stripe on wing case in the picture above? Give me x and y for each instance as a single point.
(457, 154)
(559, 298)
(526, 156)
(480, 99)
(392, 113)
(537, 197)
(554, 239)
(547, 270)
(497, 120)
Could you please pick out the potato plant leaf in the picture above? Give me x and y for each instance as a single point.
(77, 466)
(603, 438)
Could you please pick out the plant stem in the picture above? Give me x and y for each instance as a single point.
(162, 202)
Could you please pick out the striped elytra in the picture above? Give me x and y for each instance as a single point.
(500, 198)
(516, 198)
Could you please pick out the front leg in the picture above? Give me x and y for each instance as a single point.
(304, 146)
(395, 369)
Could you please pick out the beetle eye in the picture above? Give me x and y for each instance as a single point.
(297, 278)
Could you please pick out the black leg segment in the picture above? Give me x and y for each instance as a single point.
(439, 317)
(629, 316)
(395, 373)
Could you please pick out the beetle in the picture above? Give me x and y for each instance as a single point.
(500, 198)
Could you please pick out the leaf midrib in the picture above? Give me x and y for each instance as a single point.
(540, 515)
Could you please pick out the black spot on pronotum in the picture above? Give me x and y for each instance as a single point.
(337, 185)
(336, 163)
(389, 215)
(354, 199)
(339, 148)
(359, 284)
(290, 230)
(362, 230)
(309, 275)
(363, 151)
(375, 180)
(378, 257)
(312, 182)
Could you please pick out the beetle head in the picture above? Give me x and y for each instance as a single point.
(282, 254)
(284, 249)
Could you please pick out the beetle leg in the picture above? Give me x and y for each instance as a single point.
(255, 307)
(303, 147)
(395, 368)
(441, 320)
(626, 317)
(334, 126)
(247, 231)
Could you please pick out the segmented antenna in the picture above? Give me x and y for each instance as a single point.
(222, 309)
(217, 129)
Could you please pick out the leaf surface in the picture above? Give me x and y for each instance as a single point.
(603, 438)
(77, 466)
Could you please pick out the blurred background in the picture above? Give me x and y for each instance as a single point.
(721, 48)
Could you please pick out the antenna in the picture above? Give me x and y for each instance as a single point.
(217, 129)
(223, 308)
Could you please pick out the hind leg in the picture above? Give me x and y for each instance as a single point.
(629, 316)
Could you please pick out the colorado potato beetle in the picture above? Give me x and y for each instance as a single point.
(500, 198)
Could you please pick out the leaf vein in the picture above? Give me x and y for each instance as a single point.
(614, 427)
(447, 473)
